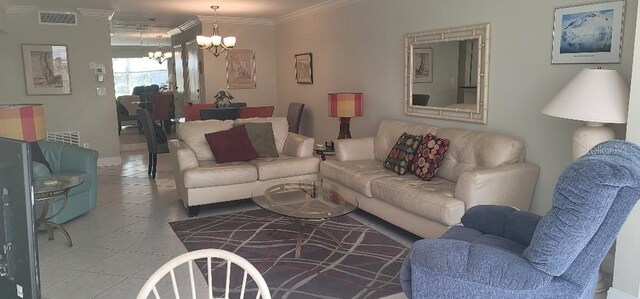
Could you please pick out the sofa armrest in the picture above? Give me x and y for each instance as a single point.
(506, 222)
(297, 145)
(354, 149)
(182, 155)
(507, 185)
(469, 270)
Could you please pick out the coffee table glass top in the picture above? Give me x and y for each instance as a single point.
(51, 185)
(307, 200)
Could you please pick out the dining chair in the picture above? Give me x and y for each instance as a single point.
(126, 108)
(219, 114)
(237, 105)
(249, 112)
(192, 111)
(294, 115)
(222, 261)
(161, 112)
(156, 140)
(420, 99)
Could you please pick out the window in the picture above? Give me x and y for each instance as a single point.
(131, 72)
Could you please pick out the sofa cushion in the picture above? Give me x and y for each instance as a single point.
(192, 133)
(471, 150)
(211, 174)
(476, 237)
(401, 155)
(432, 200)
(285, 166)
(355, 174)
(390, 130)
(428, 157)
(262, 139)
(231, 145)
(280, 128)
(40, 170)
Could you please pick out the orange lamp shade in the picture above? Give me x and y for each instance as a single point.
(345, 104)
(22, 122)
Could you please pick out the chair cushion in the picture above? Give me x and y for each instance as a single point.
(192, 133)
(280, 128)
(357, 175)
(285, 166)
(476, 237)
(427, 159)
(401, 155)
(431, 199)
(262, 139)
(211, 174)
(40, 170)
(231, 145)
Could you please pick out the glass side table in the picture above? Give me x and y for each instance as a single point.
(49, 188)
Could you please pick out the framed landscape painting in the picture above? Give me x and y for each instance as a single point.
(588, 33)
(46, 69)
(304, 68)
(423, 65)
(241, 69)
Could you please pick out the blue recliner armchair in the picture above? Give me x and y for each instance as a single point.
(504, 253)
(66, 159)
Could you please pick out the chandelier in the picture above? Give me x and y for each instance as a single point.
(159, 55)
(215, 43)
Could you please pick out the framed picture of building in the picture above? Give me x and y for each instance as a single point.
(46, 69)
(588, 33)
(423, 65)
(241, 69)
(304, 68)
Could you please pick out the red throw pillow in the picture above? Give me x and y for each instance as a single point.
(231, 145)
(428, 157)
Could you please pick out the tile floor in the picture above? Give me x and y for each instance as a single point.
(121, 242)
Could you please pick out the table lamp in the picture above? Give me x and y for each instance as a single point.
(345, 105)
(596, 96)
(22, 122)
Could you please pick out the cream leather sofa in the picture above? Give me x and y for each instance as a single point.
(200, 180)
(478, 168)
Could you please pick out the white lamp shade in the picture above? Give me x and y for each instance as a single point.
(150, 54)
(216, 40)
(168, 55)
(157, 54)
(203, 41)
(594, 95)
(229, 41)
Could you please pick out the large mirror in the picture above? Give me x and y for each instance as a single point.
(447, 72)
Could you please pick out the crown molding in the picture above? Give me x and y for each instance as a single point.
(184, 27)
(103, 13)
(24, 9)
(314, 9)
(236, 20)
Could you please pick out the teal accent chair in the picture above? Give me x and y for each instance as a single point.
(66, 159)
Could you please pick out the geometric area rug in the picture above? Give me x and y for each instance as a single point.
(367, 266)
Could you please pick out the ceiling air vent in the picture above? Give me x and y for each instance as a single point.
(57, 18)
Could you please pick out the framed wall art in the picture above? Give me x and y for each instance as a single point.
(423, 65)
(46, 69)
(304, 68)
(588, 33)
(241, 69)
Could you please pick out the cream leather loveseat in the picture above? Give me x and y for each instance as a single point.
(478, 168)
(200, 180)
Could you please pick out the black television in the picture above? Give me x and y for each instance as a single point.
(19, 277)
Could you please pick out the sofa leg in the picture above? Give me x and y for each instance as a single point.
(150, 162)
(155, 164)
(193, 211)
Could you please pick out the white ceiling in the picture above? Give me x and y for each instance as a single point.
(132, 17)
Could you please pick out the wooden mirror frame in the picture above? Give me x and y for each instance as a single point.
(479, 32)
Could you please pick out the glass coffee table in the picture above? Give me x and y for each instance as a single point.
(49, 188)
(306, 204)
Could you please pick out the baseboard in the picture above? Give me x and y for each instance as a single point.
(617, 294)
(109, 161)
(133, 147)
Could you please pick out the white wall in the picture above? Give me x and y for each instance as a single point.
(261, 39)
(359, 47)
(3, 16)
(94, 116)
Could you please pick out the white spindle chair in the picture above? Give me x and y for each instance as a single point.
(208, 254)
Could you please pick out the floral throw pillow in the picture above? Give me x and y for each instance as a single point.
(428, 157)
(401, 155)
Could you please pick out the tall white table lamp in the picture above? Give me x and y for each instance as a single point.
(597, 97)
